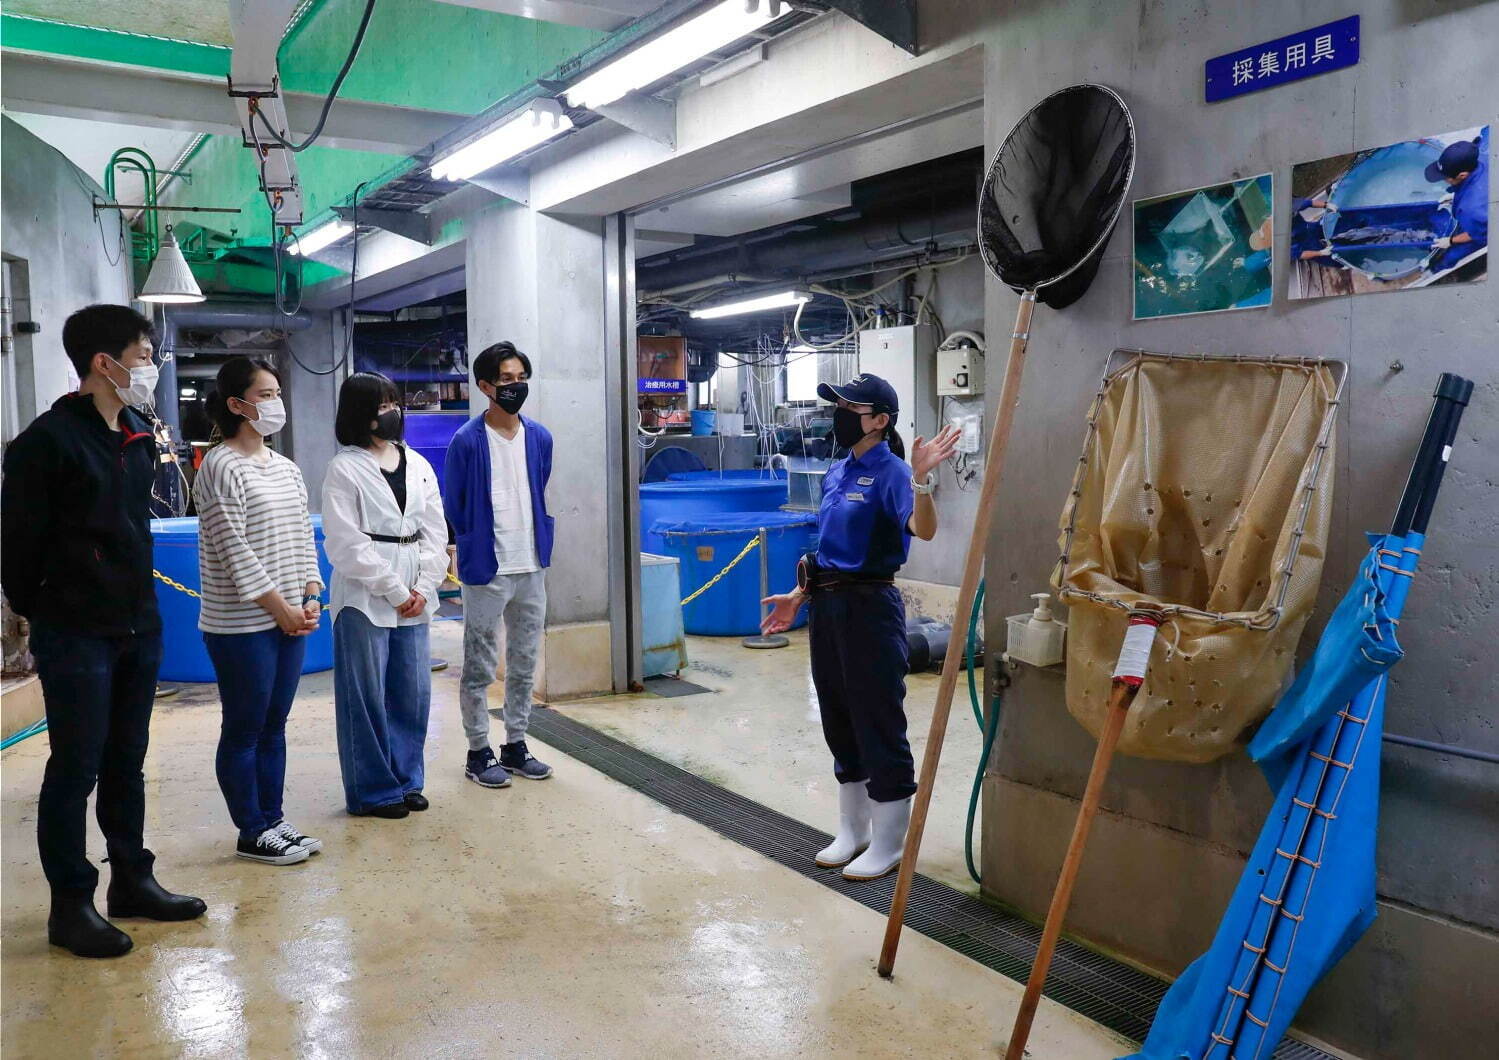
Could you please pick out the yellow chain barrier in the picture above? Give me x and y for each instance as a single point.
(754, 541)
(175, 585)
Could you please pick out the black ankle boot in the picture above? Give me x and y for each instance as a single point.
(135, 893)
(76, 925)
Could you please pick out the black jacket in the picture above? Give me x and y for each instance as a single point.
(75, 522)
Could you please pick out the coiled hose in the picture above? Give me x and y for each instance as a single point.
(990, 731)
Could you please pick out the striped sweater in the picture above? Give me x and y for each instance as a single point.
(254, 536)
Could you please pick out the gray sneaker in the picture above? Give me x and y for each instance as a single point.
(517, 758)
(485, 770)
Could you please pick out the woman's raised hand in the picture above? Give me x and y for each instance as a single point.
(927, 455)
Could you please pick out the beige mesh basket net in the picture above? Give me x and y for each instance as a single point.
(1204, 491)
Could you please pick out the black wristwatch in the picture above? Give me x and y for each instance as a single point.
(310, 597)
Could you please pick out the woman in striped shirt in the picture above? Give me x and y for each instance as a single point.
(259, 570)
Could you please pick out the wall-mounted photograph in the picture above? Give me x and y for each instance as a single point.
(1204, 250)
(1410, 214)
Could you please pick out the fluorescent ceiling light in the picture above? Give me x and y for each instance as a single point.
(538, 123)
(679, 46)
(753, 305)
(320, 237)
(802, 347)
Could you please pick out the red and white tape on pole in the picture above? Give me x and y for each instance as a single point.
(1134, 655)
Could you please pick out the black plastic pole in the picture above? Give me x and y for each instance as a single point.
(1428, 459)
(1456, 392)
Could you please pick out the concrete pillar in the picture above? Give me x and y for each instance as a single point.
(544, 283)
(312, 399)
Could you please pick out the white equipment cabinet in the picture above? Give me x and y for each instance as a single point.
(905, 358)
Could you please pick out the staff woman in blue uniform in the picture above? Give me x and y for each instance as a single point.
(872, 505)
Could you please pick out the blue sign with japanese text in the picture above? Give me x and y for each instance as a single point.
(660, 386)
(1305, 54)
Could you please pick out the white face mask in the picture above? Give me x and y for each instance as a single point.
(270, 416)
(142, 388)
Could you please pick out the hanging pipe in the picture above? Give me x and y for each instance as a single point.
(125, 158)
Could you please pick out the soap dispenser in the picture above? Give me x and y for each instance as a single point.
(1037, 638)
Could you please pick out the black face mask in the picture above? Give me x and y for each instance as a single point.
(511, 396)
(848, 427)
(389, 424)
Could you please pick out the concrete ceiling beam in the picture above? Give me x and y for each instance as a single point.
(590, 14)
(38, 84)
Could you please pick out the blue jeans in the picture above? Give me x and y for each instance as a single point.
(382, 694)
(99, 692)
(258, 675)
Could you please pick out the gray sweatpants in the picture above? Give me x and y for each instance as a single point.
(521, 601)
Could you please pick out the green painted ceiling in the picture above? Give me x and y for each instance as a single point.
(418, 53)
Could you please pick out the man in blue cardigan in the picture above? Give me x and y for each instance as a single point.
(494, 482)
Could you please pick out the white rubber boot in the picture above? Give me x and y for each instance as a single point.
(854, 806)
(883, 856)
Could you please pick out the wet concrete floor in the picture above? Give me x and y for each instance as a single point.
(567, 918)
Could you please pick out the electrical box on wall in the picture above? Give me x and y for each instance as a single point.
(904, 357)
(960, 372)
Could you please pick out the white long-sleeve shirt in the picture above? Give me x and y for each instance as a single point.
(254, 536)
(376, 577)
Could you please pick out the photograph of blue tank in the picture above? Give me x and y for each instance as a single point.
(1410, 214)
(1204, 250)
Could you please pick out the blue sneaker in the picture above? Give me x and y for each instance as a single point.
(517, 758)
(485, 770)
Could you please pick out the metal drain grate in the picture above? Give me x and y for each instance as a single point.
(1107, 992)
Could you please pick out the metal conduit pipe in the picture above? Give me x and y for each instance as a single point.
(873, 237)
(707, 281)
(209, 316)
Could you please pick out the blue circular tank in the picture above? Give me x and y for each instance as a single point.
(705, 545)
(677, 501)
(184, 658)
(1386, 213)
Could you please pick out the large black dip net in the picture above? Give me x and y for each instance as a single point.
(1054, 192)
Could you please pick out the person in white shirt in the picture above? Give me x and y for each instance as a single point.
(495, 478)
(386, 540)
(258, 567)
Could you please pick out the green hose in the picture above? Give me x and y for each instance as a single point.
(14, 738)
(990, 731)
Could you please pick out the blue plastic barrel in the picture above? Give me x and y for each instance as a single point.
(673, 502)
(705, 546)
(703, 422)
(184, 658)
(429, 434)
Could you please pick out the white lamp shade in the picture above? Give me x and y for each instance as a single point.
(170, 280)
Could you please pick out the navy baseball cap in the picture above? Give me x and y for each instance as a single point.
(863, 389)
(1461, 157)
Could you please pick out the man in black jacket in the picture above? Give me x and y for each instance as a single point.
(76, 556)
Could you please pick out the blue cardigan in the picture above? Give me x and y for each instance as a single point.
(466, 497)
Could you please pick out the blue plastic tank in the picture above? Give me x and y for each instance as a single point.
(184, 658)
(674, 502)
(706, 544)
(429, 434)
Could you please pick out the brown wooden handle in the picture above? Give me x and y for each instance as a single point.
(1119, 700)
(1009, 397)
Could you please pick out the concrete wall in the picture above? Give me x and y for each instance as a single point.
(70, 259)
(959, 300)
(1170, 844)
